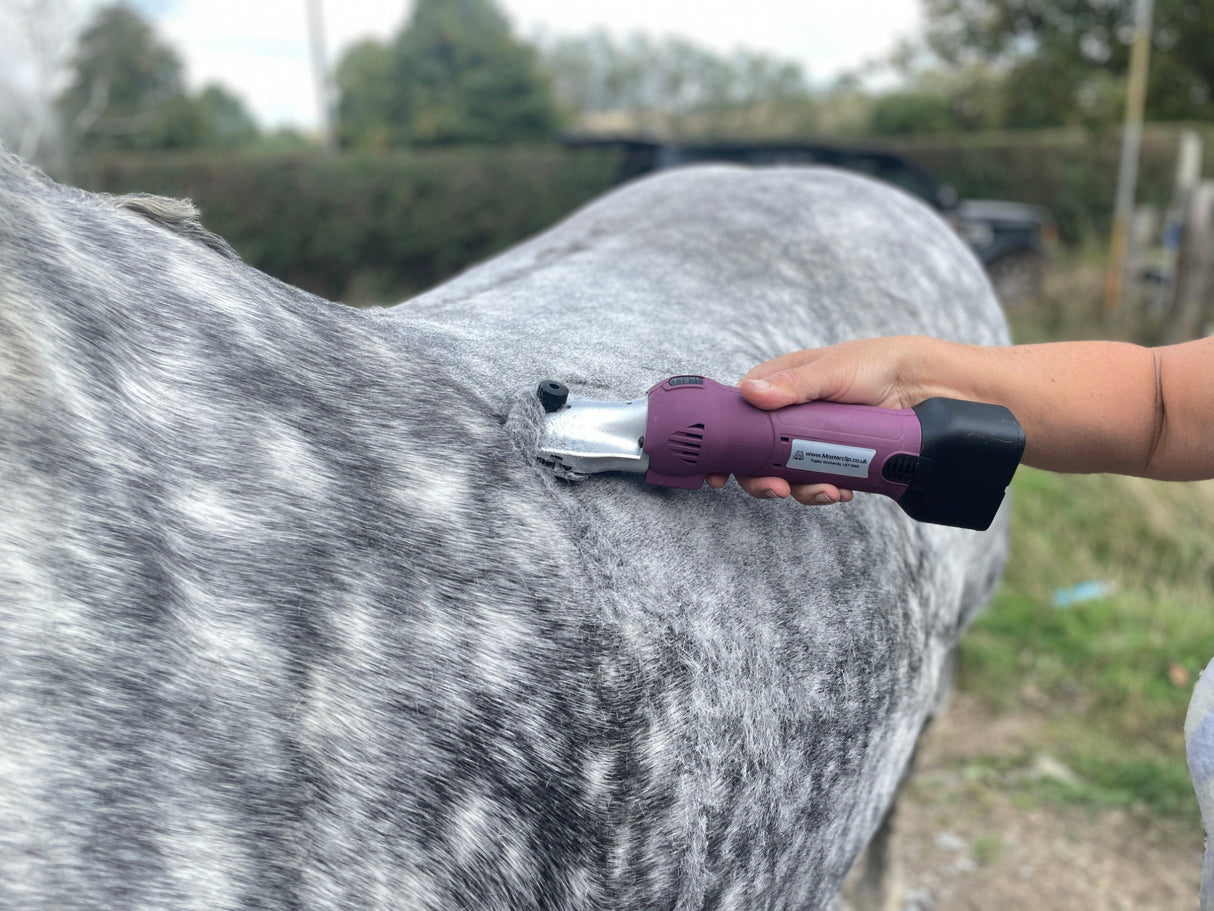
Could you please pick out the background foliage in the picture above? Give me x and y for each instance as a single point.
(455, 79)
(374, 228)
(1064, 59)
(127, 93)
(1071, 172)
(453, 74)
(673, 87)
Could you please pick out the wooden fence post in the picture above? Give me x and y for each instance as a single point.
(1193, 306)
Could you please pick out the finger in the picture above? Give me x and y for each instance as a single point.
(816, 377)
(820, 494)
(764, 488)
(716, 481)
(770, 393)
(785, 380)
(784, 363)
(857, 372)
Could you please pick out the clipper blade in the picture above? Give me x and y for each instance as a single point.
(585, 436)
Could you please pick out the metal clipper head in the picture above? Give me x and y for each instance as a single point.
(581, 436)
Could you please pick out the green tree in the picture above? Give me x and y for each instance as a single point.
(224, 121)
(365, 96)
(124, 83)
(1065, 56)
(214, 119)
(676, 86)
(128, 93)
(908, 112)
(453, 74)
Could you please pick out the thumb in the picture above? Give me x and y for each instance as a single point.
(777, 390)
(862, 372)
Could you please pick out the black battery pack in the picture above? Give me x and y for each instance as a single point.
(969, 453)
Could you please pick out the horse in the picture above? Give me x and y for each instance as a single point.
(292, 617)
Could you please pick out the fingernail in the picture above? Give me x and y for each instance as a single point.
(769, 495)
(759, 385)
(822, 499)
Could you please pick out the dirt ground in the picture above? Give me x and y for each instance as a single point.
(964, 842)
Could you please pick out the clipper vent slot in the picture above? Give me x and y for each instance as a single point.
(900, 468)
(686, 443)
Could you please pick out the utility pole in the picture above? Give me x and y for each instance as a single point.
(1131, 139)
(320, 73)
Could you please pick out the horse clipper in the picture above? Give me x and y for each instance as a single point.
(944, 461)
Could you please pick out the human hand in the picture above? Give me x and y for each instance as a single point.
(880, 371)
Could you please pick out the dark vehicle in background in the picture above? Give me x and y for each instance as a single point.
(1010, 238)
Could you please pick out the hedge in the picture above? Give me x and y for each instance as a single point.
(369, 229)
(365, 228)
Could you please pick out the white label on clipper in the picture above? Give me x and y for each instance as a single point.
(831, 458)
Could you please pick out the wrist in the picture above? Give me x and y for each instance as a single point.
(922, 369)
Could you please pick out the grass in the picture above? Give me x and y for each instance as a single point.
(987, 849)
(1110, 678)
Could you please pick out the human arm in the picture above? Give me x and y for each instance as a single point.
(1085, 406)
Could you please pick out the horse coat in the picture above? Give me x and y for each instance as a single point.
(290, 616)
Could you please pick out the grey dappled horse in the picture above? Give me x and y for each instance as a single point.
(290, 617)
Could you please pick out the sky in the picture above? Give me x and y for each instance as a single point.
(260, 50)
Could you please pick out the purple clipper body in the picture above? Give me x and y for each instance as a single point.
(697, 426)
(943, 461)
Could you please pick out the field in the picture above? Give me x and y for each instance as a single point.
(1058, 780)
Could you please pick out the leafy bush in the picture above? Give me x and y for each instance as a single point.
(377, 228)
(369, 229)
(1072, 172)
